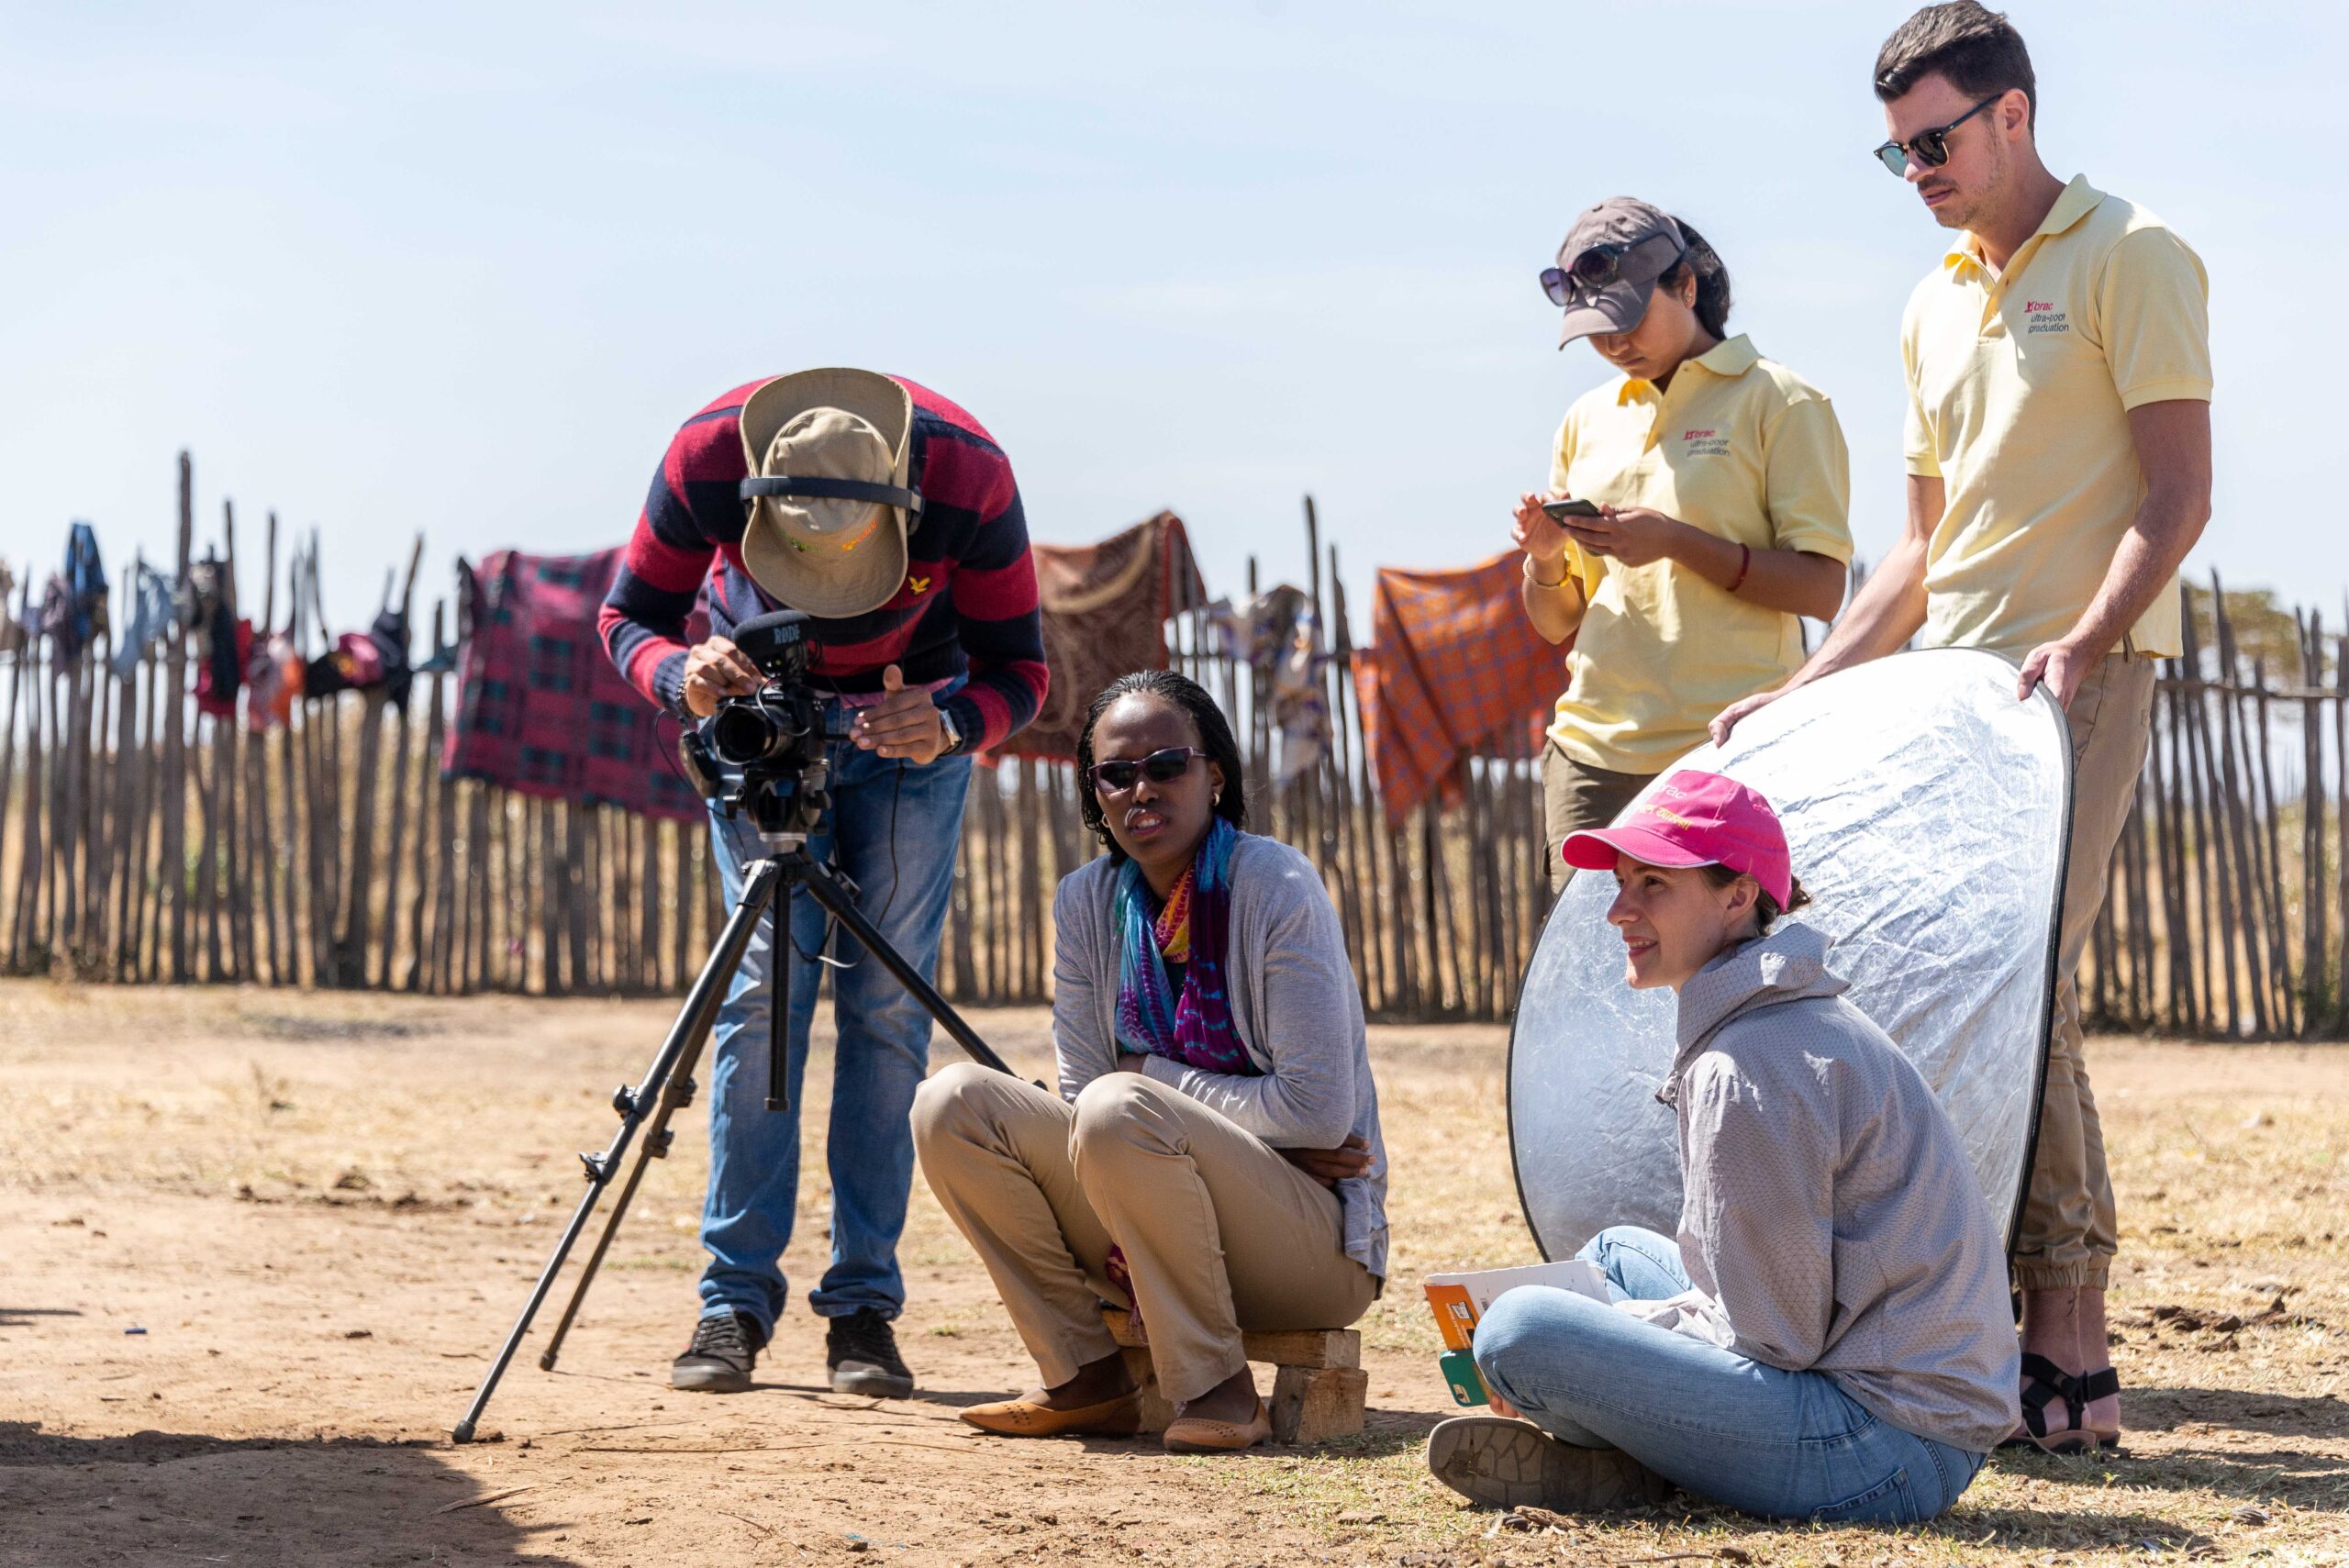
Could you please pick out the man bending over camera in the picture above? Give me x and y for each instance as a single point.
(929, 644)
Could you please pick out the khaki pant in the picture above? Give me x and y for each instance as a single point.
(1576, 795)
(2068, 1234)
(1219, 1232)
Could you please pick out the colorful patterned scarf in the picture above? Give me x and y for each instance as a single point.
(1193, 1027)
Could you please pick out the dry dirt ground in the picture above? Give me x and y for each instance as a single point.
(255, 1249)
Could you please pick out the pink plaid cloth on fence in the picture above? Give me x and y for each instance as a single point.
(541, 707)
(1453, 670)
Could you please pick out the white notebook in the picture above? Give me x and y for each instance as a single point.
(1459, 1299)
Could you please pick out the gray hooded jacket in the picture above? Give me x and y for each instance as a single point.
(1831, 1221)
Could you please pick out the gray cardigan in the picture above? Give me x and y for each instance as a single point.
(1293, 1000)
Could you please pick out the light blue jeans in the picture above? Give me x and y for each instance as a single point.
(895, 834)
(1785, 1445)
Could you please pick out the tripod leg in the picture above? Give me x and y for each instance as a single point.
(677, 1092)
(779, 955)
(825, 885)
(693, 1023)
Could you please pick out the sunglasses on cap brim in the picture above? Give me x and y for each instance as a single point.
(1597, 266)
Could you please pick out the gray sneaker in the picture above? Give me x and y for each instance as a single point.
(1505, 1463)
(726, 1347)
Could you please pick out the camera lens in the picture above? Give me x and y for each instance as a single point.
(742, 732)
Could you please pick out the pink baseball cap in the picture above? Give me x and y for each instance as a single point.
(1695, 819)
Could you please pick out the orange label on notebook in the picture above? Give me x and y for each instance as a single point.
(1456, 1315)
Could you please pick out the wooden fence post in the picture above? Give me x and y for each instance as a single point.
(174, 869)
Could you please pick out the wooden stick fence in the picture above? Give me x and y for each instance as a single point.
(2228, 914)
(142, 840)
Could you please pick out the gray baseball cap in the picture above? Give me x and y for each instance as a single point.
(1609, 266)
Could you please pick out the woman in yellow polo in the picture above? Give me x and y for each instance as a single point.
(1722, 484)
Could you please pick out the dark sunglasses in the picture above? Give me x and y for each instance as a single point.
(1590, 271)
(1119, 775)
(1930, 148)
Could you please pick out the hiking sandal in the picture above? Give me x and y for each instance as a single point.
(2043, 1384)
(2102, 1384)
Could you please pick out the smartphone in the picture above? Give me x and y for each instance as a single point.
(1561, 510)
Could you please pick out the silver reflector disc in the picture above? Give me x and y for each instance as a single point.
(1929, 814)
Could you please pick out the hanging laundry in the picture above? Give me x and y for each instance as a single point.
(1278, 633)
(1105, 607)
(367, 661)
(1300, 697)
(1454, 670)
(220, 674)
(56, 620)
(389, 634)
(222, 643)
(1257, 630)
(540, 709)
(275, 675)
(442, 662)
(186, 607)
(150, 617)
(353, 664)
(85, 585)
(260, 679)
(200, 598)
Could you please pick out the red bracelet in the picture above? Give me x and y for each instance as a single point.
(1744, 564)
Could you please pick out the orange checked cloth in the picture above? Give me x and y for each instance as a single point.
(1454, 670)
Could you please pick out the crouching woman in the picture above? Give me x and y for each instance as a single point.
(1829, 1337)
(1213, 1157)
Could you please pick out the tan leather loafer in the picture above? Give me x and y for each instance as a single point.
(1193, 1434)
(1119, 1418)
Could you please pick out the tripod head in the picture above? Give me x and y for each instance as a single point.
(785, 811)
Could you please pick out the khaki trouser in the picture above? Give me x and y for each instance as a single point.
(2068, 1234)
(1576, 795)
(1219, 1232)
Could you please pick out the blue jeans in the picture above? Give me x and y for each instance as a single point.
(1785, 1445)
(881, 1054)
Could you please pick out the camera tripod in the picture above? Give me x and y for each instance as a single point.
(668, 1084)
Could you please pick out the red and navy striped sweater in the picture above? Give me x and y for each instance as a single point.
(966, 608)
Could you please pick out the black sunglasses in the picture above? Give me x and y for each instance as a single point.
(1117, 776)
(1930, 148)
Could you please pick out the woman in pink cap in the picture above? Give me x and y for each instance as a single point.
(1829, 1337)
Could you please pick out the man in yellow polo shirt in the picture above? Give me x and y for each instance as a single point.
(2058, 445)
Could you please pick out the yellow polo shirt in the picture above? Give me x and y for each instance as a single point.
(1740, 446)
(2020, 387)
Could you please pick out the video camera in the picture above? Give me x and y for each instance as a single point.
(765, 751)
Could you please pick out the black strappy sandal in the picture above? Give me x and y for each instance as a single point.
(2044, 1383)
(2102, 1384)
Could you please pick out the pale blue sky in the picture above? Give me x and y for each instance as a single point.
(465, 268)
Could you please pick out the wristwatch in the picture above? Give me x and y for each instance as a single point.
(953, 736)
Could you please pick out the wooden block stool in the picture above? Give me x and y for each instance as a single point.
(1318, 1386)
